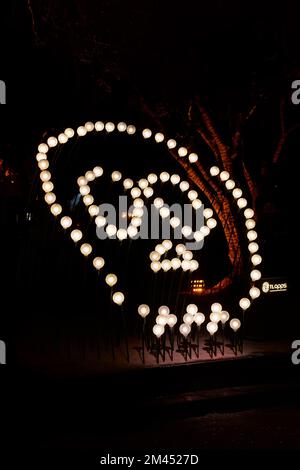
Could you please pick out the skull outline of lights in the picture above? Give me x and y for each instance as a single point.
(224, 176)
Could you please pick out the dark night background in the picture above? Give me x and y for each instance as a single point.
(67, 62)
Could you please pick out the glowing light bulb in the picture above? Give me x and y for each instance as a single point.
(98, 171)
(175, 179)
(158, 202)
(143, 310)
(214, 171)
(100, 221)
(244, 303)
(185, 329)
(86, 249)
(208, 213)
(197, 204)
(84, 189)
(174, 222)
(82, 181)
(127, 183)
(255, 275)
(158, 330)
(167, 244)
(148, 192)
(43, 148)
(90, 175)
(131, 129)
(188, 318)
(256, 259)
(172, 320)
(171, 143)
(164, 310)
(66, 222)
(192, 195)
(160, 249)
(198, 236)
(211, 223)
(99, 126)
(50, 198)
(41, 156)
(187, 255)
(132, 231)
(89, 126)
(47, 186)
(152, 178)
(135, 192)
(110, 127)
(193, 157)
(69, 132)
(111, 230)
(249, 213)
(192, 309)
(52, 142)
(76, 235)
(253, 247)
(88, 200)
(121, 127)
(166, 265)
(155, 266)
(118, 298)
(224, 175)
(143, 183)
(122, 234)
(254, 292)
(212, 328)
(224, 317)
(164, 177)
(216, 307)
(230, 184)
(184, 186)
(45, 175)
(194, 265)
(56, 209)
(199, 318)
(111, 279)
(235, 324)
(43, 164)
(205, 230)
(159, 137)
(93, 210)
(116, 176)
(154, 256)
(98, 263)
(164, 212)
(180, 248)
(242, 202)
(237, 193)
(175, 263)
(62, 139)
(215, 317)
(186, 231)
(81, 131)
(186, 265)
(146, 133)
(161, 320)
(252, 235)
(182, 151)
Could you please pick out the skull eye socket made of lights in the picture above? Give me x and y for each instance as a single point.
(140, 191)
